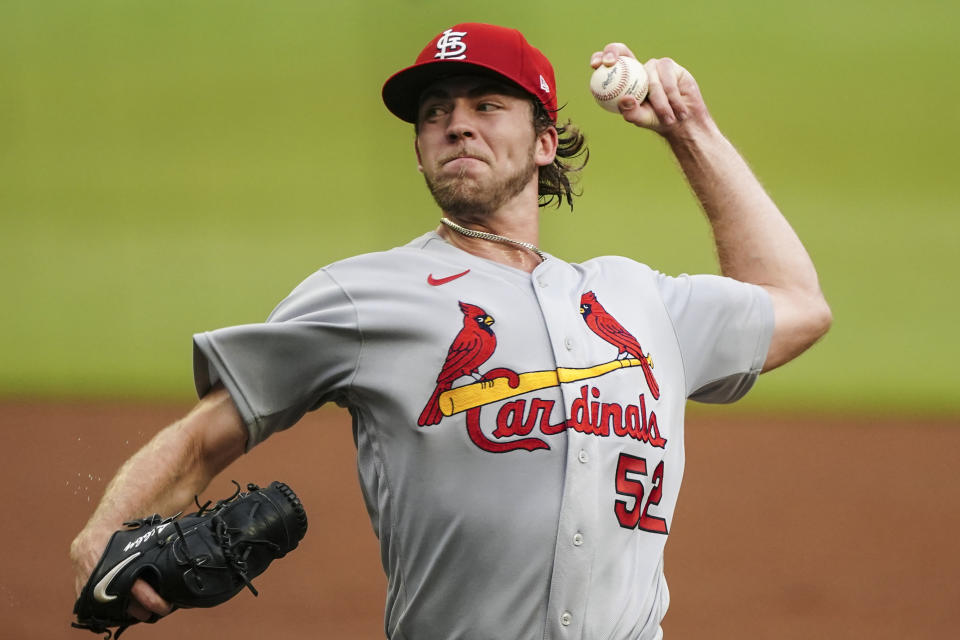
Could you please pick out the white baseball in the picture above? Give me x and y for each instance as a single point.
(626, 77)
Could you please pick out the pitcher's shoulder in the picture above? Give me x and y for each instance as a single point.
(619, 265)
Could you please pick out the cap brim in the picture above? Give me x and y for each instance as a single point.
(401, 92)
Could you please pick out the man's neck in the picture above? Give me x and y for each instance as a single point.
(517, 227)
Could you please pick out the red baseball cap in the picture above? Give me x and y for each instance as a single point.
(470, 48)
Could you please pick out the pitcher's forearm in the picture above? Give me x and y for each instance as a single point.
(164, 476)
(178, 463)
(755, 243)
(160, 478)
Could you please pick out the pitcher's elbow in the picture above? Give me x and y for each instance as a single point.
(821, 318)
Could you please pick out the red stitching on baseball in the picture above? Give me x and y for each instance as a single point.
(621, 83)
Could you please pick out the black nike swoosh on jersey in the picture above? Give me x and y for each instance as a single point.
(436, 282)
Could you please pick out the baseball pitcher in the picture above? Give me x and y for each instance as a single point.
(519, 419)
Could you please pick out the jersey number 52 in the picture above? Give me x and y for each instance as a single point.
(629, 513)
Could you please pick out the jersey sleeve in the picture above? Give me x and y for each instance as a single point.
(304, 355)
(724, 328)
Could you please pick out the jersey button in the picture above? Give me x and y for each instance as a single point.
(582, 456)
(566, 618)
(577, 539)
(542, 282)
(568, 343)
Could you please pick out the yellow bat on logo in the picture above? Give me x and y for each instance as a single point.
(478, 394)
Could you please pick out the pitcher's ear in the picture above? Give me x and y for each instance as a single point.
(546, 149)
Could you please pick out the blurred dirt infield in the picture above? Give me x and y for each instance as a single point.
(786, 528)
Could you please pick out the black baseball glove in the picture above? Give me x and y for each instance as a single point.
(199, 560)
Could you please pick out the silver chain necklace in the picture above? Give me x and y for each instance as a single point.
(483, 235)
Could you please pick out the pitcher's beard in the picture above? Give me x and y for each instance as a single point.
(464, 198)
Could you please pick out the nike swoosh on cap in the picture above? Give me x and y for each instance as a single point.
(100, 590)
(439, 281)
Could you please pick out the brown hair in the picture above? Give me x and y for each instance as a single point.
(554, 180)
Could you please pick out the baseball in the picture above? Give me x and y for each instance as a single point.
(626, 77)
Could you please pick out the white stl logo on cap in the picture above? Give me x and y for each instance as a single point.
(450, 46)
(544, 85)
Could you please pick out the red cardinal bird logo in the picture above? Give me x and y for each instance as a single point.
(471, 348)
(606, 326)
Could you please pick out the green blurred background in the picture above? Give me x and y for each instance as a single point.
(173, 167)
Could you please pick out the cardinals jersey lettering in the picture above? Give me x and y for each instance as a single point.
(519, 435)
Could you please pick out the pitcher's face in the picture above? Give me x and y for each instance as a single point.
(476, 144)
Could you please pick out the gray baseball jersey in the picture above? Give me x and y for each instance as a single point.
(519, 436)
